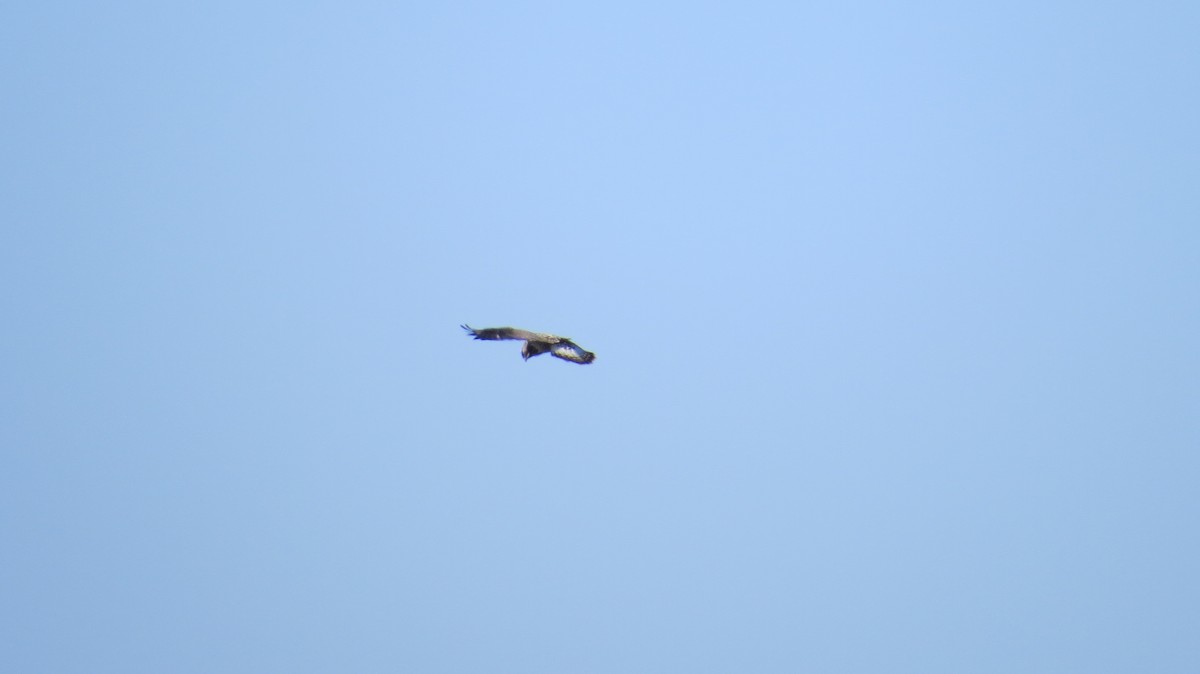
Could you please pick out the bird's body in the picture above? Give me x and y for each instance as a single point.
(536, 343)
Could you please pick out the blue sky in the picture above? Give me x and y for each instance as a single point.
(895, 311)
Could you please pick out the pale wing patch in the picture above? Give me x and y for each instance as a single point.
(571, 352)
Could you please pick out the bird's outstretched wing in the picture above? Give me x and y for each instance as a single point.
(501, 333)
(568, 350)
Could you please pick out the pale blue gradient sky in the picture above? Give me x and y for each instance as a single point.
(896, 310)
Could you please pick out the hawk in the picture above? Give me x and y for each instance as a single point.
(536, 343)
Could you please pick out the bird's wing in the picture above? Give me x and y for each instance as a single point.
(568, 350)
(501, 333)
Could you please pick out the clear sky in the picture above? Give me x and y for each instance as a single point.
(896, 309)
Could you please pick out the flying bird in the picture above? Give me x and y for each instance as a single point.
(536, 343)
